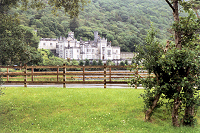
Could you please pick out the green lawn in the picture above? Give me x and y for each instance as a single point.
(80, 110)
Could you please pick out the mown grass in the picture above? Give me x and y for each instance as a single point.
(80, 110)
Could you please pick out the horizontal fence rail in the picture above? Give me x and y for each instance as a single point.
(70, 74)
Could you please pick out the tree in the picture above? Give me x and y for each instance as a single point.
(49, 59)
(110, 37)
(132, 61)
(74, 24)
(179, 41)
(122, 63)
(74, 63)
(38, 23)
(35, 57)
(126, 62)
(176, 69)
(16, 41)
(72, 8)
(94, 63)
(81, 63)
(108, 62)
(30, 37)
(193, 4)
(100, 63)
(87, 62)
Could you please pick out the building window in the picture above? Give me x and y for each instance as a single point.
(70, 55)
(92, 50)
(44, 44)
(50, 44)
(116, 51)
(77, 51)
(109, 52)
(88, 50)
(103, 50)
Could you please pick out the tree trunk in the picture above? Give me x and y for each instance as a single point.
(189, 115)
(150, 110)
(189, 109)
(177, 34)
(175, 113)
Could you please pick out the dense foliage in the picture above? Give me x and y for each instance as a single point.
(19, 42)
(123, 22)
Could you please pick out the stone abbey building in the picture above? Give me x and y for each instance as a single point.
(70, 48)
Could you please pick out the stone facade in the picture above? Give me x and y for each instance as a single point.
(71, 48)
(48, 43)
(127, 55)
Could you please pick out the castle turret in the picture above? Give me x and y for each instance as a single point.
(95, 36)
(71, 34)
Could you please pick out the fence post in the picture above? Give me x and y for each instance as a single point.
(136, 75)
(7, 73)
(83, 73)
(64, 76)
(57, 73)
(110, 73)
(104, 75)
(25, 75)
(32, 71)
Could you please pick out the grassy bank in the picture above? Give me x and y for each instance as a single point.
(80, 110)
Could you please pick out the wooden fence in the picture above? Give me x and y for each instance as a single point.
(62, 75)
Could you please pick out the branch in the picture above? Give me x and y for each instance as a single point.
(197, 13)
(170, 5)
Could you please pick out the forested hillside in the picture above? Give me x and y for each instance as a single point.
(123, 22)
